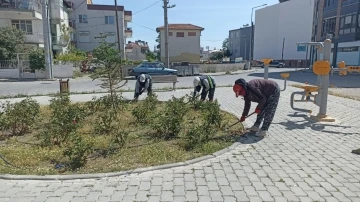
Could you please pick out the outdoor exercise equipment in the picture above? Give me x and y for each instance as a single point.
(320, 92)
(285, 76)
(343, 69)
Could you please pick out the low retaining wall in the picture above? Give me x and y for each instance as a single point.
(9, 73)
(213, 68)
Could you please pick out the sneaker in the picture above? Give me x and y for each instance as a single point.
(254, 128)
(261, 133)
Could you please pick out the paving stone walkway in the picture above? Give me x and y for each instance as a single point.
(299, 161)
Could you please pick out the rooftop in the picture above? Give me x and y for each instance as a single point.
(181, 27)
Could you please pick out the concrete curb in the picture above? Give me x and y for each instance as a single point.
(116, 174)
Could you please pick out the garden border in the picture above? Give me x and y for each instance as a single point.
(116, 174)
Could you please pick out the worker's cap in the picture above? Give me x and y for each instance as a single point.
(142, 78)
(196, 81)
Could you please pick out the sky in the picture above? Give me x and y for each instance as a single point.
(216, 16)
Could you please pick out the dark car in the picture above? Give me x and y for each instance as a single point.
(274, 63)
(152, 68)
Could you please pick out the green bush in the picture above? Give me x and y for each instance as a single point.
(19, 117)
(37, 59)
(144, 112)
(212, 114)
(195, 102)
(195, 135)
(77, 151)
(169, 121)
(66, 119)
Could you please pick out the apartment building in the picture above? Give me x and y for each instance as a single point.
(93, 19)
(340, 20)
(278, 29)
(136, 51)
(184, 43)
(27, 16)
(239, 43)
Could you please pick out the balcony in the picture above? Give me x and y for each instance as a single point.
(72, 24)
(58, 42)
(128, 32)
(14, 9)
(34, 38)
(128, 16)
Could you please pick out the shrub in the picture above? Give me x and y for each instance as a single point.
(77, 151)
(108, 108)
(194, 101)
(120, 137)
(171, 118)
(212, 114)
(37, 59)
(19, 117)
(196, 135)
(144, 112)
(65, 120)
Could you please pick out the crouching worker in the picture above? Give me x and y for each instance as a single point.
(207, 83)
(266, 93)
(143, 83)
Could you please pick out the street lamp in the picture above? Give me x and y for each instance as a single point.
(251, 33)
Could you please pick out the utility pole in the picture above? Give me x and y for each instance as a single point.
(47, 42)
(117, 26)
(166, 27)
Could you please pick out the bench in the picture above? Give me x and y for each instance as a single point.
(165, 79)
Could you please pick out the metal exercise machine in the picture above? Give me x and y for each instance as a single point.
(317, 94)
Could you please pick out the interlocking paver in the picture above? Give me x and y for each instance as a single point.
(297, 162)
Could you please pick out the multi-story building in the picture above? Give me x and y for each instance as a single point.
(94, 19)
(137, 50)
(278, 29)
(26, 15)
(184, 43)
(338, 19)
(239, 43)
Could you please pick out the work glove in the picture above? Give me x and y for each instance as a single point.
(257, 111)
(242, 118)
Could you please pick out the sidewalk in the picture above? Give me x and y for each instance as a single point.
(298, 161)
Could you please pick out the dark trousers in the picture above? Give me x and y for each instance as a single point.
(268, 113)
(210, 96)
(149, 90)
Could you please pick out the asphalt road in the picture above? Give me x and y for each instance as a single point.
(88, 85)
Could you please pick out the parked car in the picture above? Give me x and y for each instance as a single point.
(152, 68)
(274, 63)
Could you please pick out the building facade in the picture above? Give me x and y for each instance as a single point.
(26, 15)
(94, 19)
(338, 19)
(280, 27)
(239, 43)
(136, 51)
(184, 43)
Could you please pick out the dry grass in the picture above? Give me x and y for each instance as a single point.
(143, 148)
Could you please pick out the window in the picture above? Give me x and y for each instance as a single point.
(348, 23)
(329, 26)
(170, 33)
(179, 34)
(83, 19)
(84, 37)
(191, 33)
(109, 20)
(24, 25)
(110, 37)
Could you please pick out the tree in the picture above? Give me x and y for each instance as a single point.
(158, 47)
(151, 56)
(110, 72)
(11, 42)
(37, 59)
(225, 47)
(217, 56)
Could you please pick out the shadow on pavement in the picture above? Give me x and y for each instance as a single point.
(349, 81)
(309, 123)
(249, 138)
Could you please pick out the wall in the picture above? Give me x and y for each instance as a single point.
(185, 48)
(136, 54)
(9, 73)
(291, 20)
(206, 68)
(96, 25)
